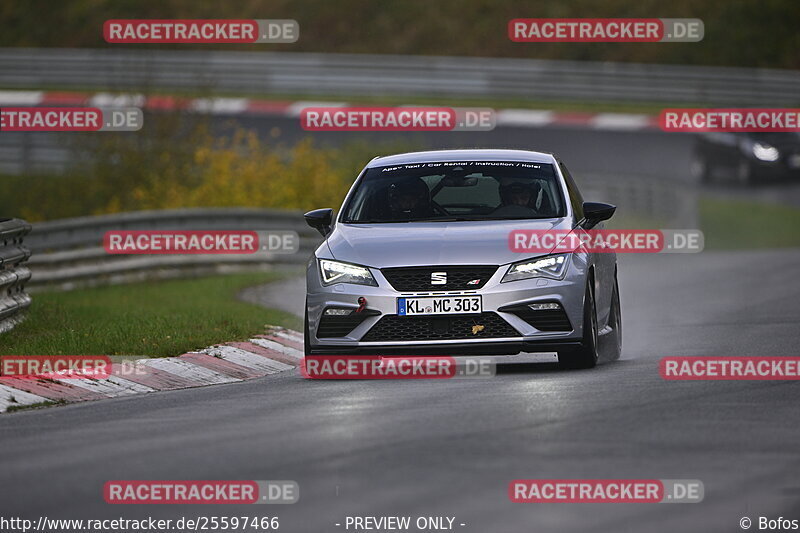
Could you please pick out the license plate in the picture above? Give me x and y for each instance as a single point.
(439, 305)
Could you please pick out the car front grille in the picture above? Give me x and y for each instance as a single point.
(418, 279)
(394, 328)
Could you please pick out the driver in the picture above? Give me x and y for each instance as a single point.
(518, 193)
(518, 199)
(409, 199)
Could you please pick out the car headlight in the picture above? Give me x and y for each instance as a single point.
(551, 266)
(338, 272)
(765, 152)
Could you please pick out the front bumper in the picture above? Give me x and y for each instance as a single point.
(508, 331)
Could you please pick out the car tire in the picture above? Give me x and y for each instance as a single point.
(306, 335)
(615, 321)
(585, 355)
(744, 173)
(700, 169)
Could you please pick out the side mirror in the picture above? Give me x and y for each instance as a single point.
(595, 212)
(320, 220)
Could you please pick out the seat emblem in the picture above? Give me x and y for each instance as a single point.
(438, 278)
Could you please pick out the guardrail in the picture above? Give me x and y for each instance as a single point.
(13, 275)
(639, 199)
(68, 253)
(371, 75)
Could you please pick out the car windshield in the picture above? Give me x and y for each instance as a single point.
(456, 191)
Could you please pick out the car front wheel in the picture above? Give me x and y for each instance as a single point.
(585, 355)
(700, 169)
(744, 172)
(306, 336)
(615, 321)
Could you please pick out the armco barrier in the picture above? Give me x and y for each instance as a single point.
(370, 75)
(69, 252)
(13, 275)
(669, 203)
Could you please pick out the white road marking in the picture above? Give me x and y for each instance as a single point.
(272, 345)
(10, 397)
(524, 117)
(220, 105)
(100, 386)
(190, 371)
(21, 98)
(247, 359)
(117, 100)
(295, 108)
(128, 384)
(289, 336)
(620, 121)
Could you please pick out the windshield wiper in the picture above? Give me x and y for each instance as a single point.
(430, 219)
(516, 218)
(442, 219)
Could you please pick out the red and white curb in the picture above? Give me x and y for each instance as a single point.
(278, 350)
(530, 118)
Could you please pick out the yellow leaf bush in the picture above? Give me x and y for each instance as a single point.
(174, 166)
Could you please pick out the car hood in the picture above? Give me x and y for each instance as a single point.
(432, 243)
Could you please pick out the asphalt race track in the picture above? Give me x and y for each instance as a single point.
(450, 447)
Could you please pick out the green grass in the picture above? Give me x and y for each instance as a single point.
(164, 318)
(38, 405)
(732, 224)
(629, 221)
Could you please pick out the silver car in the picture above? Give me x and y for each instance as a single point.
(418, 262)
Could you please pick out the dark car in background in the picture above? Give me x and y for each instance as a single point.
(746, 158)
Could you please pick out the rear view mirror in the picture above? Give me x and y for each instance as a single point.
(595, 212)
(460, 181)
(320, 220)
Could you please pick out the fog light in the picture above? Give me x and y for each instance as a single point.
(545, 307)
(338, 312)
